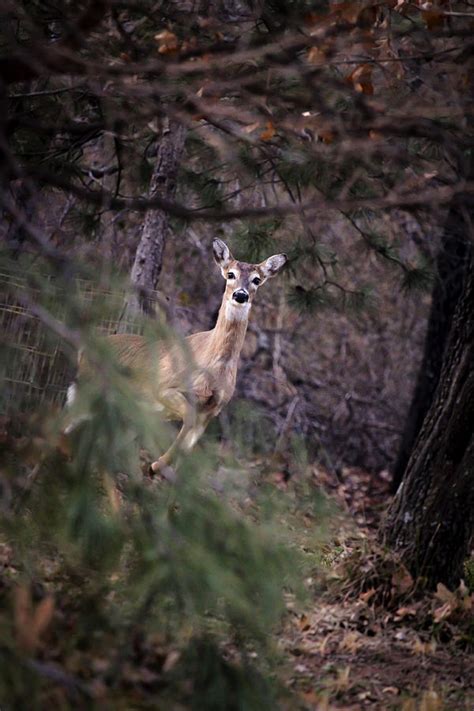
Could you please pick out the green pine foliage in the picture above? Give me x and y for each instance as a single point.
(221, 684)
(204, 185)
(330, 295)
(85, 221)
(382, 247)
(255, 240)
(182, 560)
(309, 300)
(419, 277)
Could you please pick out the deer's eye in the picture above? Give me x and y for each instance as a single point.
(256, 281)
(230, 275)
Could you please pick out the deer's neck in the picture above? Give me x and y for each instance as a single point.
(229, 332)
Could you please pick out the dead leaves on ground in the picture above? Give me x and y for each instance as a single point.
(379, 580)
(364, 494)
(168, 42)
(453, 604)
(361, 79)
(348, 655)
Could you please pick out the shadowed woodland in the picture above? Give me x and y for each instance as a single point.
(237, 355)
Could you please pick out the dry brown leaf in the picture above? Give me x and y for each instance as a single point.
(444, 594)
(352, 641)
(433, 19)
(375, 135)
(304, 623)
(420, 647)
(443, 612)
(251, 127)
(361, 79)
(167, 42)
(407, 611)
(326, 136)
(367, 595)
(402, 581)
(269, 132)
(316, 55)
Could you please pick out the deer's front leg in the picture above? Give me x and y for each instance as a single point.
(179, 408)
(193, 435)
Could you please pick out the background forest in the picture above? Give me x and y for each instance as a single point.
(280, 564)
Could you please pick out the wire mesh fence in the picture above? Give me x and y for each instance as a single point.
(35, 366)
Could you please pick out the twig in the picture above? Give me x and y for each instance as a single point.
(286, 424)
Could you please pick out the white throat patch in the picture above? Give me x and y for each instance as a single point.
(237, 312)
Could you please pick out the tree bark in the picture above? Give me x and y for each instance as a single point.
(149, 256)
(452, 260)
(450, 267)
(431, 519)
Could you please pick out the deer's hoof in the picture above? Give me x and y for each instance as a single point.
(162, 469)
(155, 467)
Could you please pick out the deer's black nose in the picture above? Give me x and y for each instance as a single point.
(241, 296)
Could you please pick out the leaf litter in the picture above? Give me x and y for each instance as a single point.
(366, 639)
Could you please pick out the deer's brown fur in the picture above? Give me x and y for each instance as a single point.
(193, 384)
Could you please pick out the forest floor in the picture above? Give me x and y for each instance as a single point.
(364, 638)
(370, 640)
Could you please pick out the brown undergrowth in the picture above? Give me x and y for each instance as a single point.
(366, 637)
(373, 638)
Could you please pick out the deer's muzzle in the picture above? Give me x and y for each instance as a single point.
(241, 296)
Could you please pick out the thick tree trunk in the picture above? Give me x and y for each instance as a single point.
(149, 256)
(431, 519)
(453, 257)
(450, 267)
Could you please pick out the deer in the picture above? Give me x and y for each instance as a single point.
(193, 384)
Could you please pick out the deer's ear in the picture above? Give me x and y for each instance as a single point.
(273, 265)
(222, 255)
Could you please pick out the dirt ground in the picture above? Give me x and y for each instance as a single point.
(364, 638)
(371, 640)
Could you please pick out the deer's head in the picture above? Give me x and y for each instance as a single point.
(243, 279)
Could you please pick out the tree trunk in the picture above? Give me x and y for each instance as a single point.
(149, 256)
(450, 267)
(109, 183)
(451, 264)
(431, 519)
